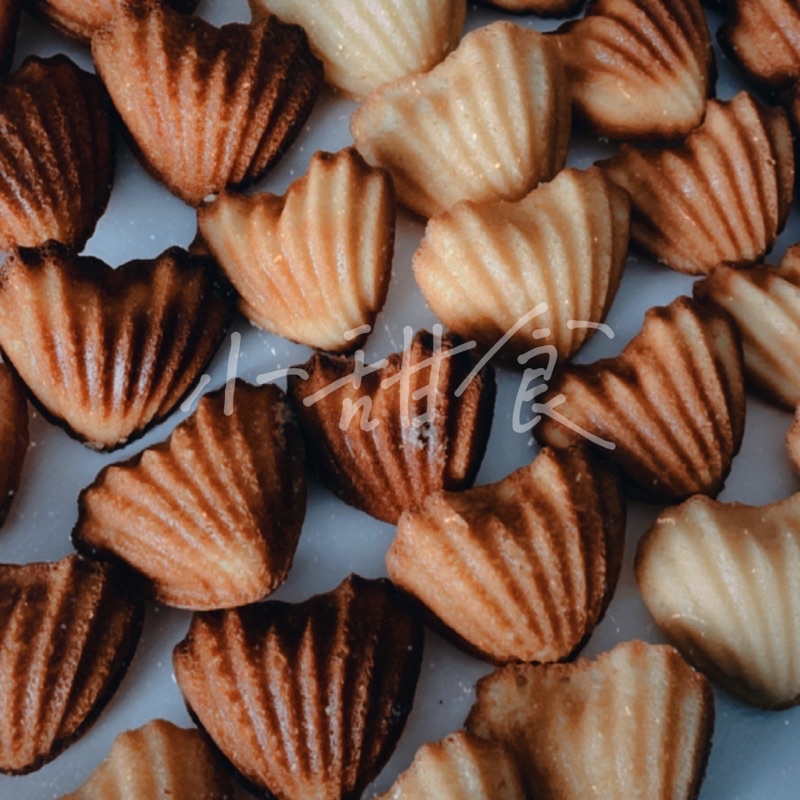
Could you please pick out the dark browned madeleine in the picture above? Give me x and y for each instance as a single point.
(80, 19)
(211, 517)
(208, 108)
(309, 699)
(484, 268)
(459, 767)
(636, 723)
(520, 570)
(765, 305)
(56, 154)
(669, 411)
(542, 8)
(720, 197)
(9, 21)
(763, 36)
(68, 631)
(109, 352)
(720, 579)
(314, 264)
(384, 441)
(14, 437)
(158, 760)
(639, 69)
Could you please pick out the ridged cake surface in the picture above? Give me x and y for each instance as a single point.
(208, 108)
(672, 404)
(56, 154)
(306, 700)
(108, 352)
(314, 264)
(364, 44)
(720, 197)
(520, 570)
(68, 631)
(210, 518)
(720, 581)
(485, 267)
(639, 68)
(158, 761)
(439, 134)
(386, 440)
(765, 305)
(635, 723)
(459, 767)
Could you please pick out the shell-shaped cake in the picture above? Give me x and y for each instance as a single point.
(315, 264)
(542, 8)
(490, 122)
(384, 436)
(56, 154)
(639, 68)
(211, 518)
(668, 411)
(692, 209)
(364, 44)
(109, 352)
(459, 767)
(721, 581)
(306, 700)
(68, 631)
(158, 760)
(765, 305)
(635, 723)
(9, 21)
(80, 19)
(207, 107)
(484, 268)
(763, 36)
(520, 570)
(14, 437)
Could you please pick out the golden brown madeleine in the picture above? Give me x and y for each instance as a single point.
(81, 19)
(364, 44)
(635, 723)
(459, 767)
(793, 440)
(763, 36)
(14, 437)
(158, 760)
(109, 352)
(721, 197)
(639, 68)
(207, 107)
(211, 517)
(56, 154)
(484, 267)
(68, 631)
(672, 404)
(309, 699)
(720, 579)
(314, 264)
(542, 8)
(765, 305)
(439, 134)
(384, 440)
(520, 570)
(9, 21)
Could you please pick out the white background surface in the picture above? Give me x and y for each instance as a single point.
(754, 753)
